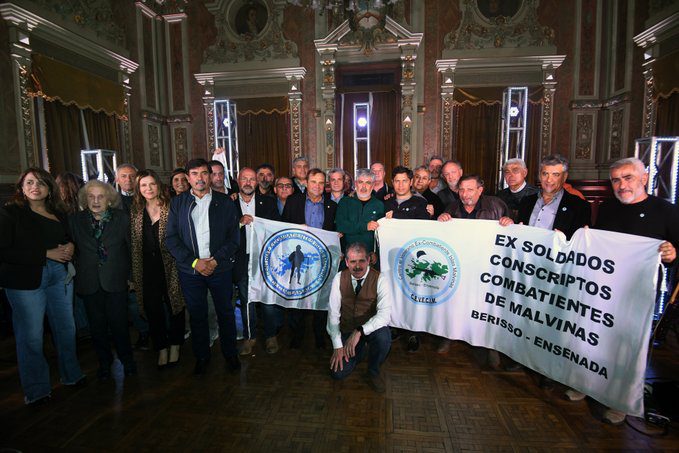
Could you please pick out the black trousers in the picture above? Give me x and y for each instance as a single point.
(109, 311)
(157, 309)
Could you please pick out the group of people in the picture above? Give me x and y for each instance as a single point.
(176, 244)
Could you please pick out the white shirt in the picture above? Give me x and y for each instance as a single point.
(519, 189)
(381, 318)
(201, 222)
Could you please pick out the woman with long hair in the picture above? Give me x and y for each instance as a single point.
(101, 233)
(35, 249)
(69, 184)
(179, 181)
(154, 270)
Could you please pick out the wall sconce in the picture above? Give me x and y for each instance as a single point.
(407, 122)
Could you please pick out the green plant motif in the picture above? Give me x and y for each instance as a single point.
(429, 271)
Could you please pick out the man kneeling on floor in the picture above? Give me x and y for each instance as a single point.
(358, 315)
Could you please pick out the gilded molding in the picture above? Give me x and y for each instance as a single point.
(27, 119)
(650, 106)
(179, 137)
(547, 111)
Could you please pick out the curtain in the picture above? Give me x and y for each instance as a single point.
(102, 131)
(64, 136)
(667, 115)
(385, 129)
(263, 134)
(533, 139)
(476, 131)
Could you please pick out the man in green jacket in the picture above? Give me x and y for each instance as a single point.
(356, 217)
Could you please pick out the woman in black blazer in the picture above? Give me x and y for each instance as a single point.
(34, 253)
(101, 233)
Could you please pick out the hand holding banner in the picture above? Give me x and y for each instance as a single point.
(578, 312)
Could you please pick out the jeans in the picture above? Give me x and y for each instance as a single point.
(195, 287)
(54, 298)
(109, 311)
(272, 316)
(379, 344)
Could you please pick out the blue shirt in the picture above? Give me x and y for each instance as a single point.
(280, 206)
(314, 214)
(543, 215)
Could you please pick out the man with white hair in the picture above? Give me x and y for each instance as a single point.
(514, 172)
(634, 211)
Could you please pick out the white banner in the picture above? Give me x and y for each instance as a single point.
(578, 312)
(291, 265)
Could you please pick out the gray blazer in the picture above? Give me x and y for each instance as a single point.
(111, 276)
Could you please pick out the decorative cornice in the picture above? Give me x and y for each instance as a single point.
(347, 52)
(658, 32)
(255, 75)
(51, 32)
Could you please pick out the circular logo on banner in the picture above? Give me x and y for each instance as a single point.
(427, 271)
(294, 263)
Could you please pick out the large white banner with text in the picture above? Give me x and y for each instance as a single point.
(291, 265)
(578, 312)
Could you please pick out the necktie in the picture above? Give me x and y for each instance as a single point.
(359, 284)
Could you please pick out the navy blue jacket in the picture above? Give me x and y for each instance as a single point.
(181, 232)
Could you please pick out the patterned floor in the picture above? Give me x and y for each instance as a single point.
(286, 402)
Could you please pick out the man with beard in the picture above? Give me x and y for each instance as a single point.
(436, 184)
(202, 235)
(634, 211)
(250, 204)
(451, 172)
(265, 179)
(217, 179)
(359, 310)
(474, 205)
(357, 216)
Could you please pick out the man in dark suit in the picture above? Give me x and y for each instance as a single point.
(250, 203)
(202, 235)
(313, 210)
(554, 208)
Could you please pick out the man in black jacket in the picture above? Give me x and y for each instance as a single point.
(634, 211)
(202, 235)
(250, 204)
(405, 205)
(313, 210)
(554, 208)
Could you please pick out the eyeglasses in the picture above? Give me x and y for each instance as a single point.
(284, 186)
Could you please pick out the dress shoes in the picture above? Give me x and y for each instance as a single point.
(233, 364)
(271, 345)
(201, 366)
(376, 382)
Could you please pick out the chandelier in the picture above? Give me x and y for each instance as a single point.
(336, 6)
